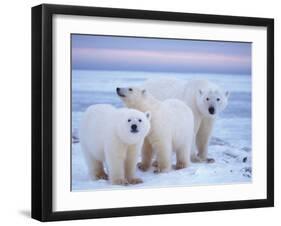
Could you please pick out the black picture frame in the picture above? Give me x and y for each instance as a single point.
(42, 107)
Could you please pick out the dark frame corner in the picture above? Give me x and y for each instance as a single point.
(42, 111)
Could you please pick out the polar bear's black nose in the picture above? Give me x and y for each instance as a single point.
(134, 127)
(119, 92)
(212, 110)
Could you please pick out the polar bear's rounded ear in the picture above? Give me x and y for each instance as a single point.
(200, 92)
(148, 115)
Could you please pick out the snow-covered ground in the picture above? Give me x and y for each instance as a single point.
(230, 145)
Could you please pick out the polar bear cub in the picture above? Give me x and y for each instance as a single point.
(114, 136)
(206, 100)
(171, 128)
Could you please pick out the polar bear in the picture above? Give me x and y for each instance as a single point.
(206, 100)
(114, 136)
(171, 129)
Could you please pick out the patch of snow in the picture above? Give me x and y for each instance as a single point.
(228, 168)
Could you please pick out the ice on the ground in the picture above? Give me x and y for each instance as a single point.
(230, 167)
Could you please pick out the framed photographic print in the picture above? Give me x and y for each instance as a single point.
(145, 112)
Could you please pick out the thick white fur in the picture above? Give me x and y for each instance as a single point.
(199, 95)
(105, 136)
(171, 128)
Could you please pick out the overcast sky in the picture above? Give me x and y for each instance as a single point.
(90, 52)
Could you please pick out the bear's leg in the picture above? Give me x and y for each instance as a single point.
(183, 157)
(203, 137)
(164, 154)
(194, 154)
(130, 164)
(115, 159)
(146, 156)
(95, 167)
(194, 150)
(98, 170)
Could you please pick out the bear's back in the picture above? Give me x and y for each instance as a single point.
(165, 88)
(176, 105)
(194, 85)
(95, 123)
(99, 114)
(177, 112)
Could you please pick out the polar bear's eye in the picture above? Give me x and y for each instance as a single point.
(130, 89)
(218, 99)
(129, 120)
(207, 99)
(139, 120)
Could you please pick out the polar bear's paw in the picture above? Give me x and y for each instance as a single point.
(102, 175)
(179, 165)
(135, 181)
(120, 181)
(155, 163)
(210, 160)
(161, 170)
(143, 167)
